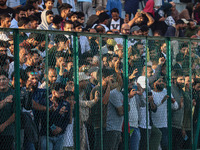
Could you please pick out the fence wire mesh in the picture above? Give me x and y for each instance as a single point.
(98, 92)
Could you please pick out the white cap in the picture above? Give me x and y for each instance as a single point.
(142, 81)
(83, 76)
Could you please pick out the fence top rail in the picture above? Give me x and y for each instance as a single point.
(183, 39)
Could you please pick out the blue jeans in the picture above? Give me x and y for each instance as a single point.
(135, 139)
(164, 140)
(55, 143)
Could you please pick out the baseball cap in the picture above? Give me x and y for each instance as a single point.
(185, 21)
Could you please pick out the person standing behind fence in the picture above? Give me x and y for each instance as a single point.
(58, 119)
(177, 115)
(159, 118)
(7, 113)
(85, 6)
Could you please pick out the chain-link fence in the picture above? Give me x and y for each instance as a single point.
(74, 90)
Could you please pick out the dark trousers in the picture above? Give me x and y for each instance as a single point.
(6, 142)
(143, 140)
(97, 143)
(177, 138)
(113, 140)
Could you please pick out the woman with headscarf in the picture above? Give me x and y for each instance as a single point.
(187, 12)
(163, 18)
(149, 8)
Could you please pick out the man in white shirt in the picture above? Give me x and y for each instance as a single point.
(19, 13)
(160, 99)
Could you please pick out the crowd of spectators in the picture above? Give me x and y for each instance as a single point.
(99, 108)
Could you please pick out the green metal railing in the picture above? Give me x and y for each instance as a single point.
(76, 83)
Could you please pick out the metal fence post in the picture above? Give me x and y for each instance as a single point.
(190, 67)
(101, 109)
(76, 85)
(169, 93)
(47, 87)
(17, 91)
(147, 104)
(125, 75)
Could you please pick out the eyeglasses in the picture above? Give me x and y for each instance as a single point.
(33, 73)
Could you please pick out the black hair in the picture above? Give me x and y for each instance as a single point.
(23, 21)
(179, 22)
(22, 74)
(4, 44)
(114, 10)
(31, 2)
(68, 22)
(60, 54)
(4, 16)
(17, 10)
(99, 28)
(69, 94)
(33, 18)
(71, 14)
(57, 86)
(60, 38)
(49, 12)
(3, 58)
(80, 14)
(45, 1)
(2, 72)
(64, 6)
(196, 81)
(179, 57)
(29, 7)
(103, 16)
(57, 19)
(77, 24)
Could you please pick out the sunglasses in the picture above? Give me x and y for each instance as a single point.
(33, 73)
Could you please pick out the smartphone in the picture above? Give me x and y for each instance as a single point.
(53, 127)
(135, 87)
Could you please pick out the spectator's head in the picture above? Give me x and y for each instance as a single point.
(3, 3)
(19, 13)
(106, 73)
(100, 9)
(34, 21)
(185, 23)
(49, 15)
(52, 75)
(118, 49)
(22, 55)
(30, 10)
(65, 9)
(103, 18)
(178, 78)
(57, 21)
(135, 30)
(72, 16)
(24, 23)
(192, 24)
(4, 81)
(22, 80)
(159, 85)
(157, 33)
(149, 71)
(5, 20)
(83, 80)
(68, 26)
(3, 47)
(179, 24)
(164, 48)
(180, 58)
(196, 84)
(145, 30)
(81, 17)
(33, 3)
(173, 6)
(33, 58)
(48, 4)
(125, 29)
(33, 40)
(61, 42)
(58, 92)
(33, 79)
(4, 62)
(60, 59)
(115, 14)
(95, 61)
(112, 60)
(77, 26)
(69, 96)
(139, 47)
(100, 29)
(184, 48)
(69, 86)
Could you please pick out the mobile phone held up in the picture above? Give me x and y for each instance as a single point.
(135, 87)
